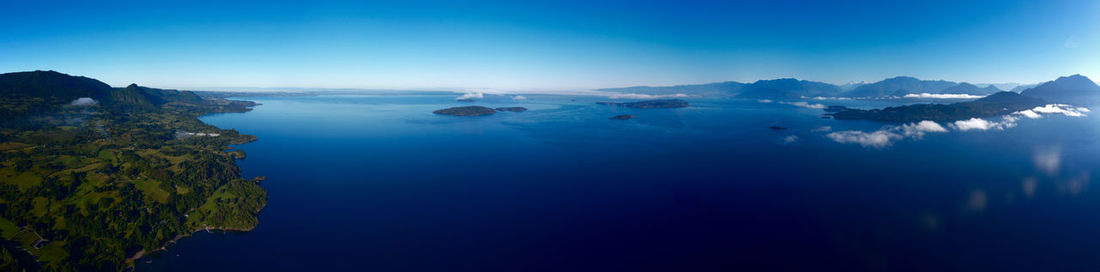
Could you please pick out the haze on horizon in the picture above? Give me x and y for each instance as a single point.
(561, 45)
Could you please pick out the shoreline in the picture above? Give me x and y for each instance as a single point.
(132, 260)
(141, 253)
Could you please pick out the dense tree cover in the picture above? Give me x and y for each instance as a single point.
(87, 187)
(993, 105)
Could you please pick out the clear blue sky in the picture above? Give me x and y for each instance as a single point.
(562, 44)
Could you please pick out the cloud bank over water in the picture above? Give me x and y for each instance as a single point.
(889, 134)
(804, 105)
(797, 103)
(942, 96)
(645, 96)
(1009, 121)
(917, 130)
(876, 139)
(979, 124)
(471, 95)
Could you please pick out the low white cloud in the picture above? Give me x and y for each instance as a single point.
(942, 96)
(887, 135)
(804, 105)
(83, 101)
(471, 95)
(917, 130)
(823, 129)
(826, 98)
(765, 101)
(644, 96)
(1063, 109)
(790, 139)
(519, 97)
(1029, 114)
(976, 124)
(876, 139)
(1010, 120)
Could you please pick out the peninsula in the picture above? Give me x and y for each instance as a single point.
(993, 105)
(92, 177)
(650, 104)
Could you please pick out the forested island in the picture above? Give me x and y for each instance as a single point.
(512, 109)
(650, 104)
(993, 105)
(466, 111)
(92, 177)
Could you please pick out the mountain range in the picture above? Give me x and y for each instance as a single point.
(1075, 89)
(794, 88)
(717, 89)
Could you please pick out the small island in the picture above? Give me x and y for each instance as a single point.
(777, 128)
(622, 117)
(512, 109)
(466, 111)
(650, 104)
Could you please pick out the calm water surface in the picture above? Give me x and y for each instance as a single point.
(379, 183)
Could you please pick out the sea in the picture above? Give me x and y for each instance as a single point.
(377, 182)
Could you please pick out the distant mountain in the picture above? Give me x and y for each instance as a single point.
(900, 86)
(1000, 86)
(851, 85)
(788, 88)
(717, 89)
(38, 91)
(1021, 88)
(993, 105)
(1075, 89)
(967, 88)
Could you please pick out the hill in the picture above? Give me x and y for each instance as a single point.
(993, 105)
(788, 88)
(1075, 89)
(91, 186)
(900, 86)
(717, 89)
(27, 92)
(967, 88)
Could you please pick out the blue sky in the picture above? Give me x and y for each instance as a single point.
(558, 45)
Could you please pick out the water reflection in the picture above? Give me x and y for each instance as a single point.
(1048, 159)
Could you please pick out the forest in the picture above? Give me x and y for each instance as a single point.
(92, 176)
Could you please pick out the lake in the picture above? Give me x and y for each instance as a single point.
(379, 183)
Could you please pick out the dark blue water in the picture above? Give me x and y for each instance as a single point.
(379, 183)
